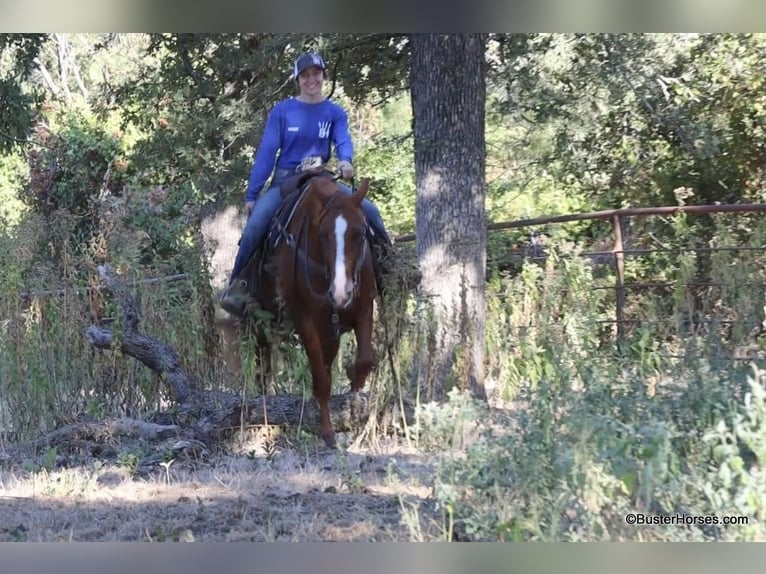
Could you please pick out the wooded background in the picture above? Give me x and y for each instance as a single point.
(133, 150)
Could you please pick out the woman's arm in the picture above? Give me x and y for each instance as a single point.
(266, 155)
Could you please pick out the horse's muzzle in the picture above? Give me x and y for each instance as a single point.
(341, 293)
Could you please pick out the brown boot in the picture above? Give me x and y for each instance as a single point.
(235, 298)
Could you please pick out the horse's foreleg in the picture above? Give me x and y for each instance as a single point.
(364, 362)
(330, 348)
(320, 377)
(264, 362)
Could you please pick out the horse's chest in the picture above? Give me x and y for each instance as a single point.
(329, 321)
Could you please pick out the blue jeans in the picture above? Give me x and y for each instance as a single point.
(266, 207)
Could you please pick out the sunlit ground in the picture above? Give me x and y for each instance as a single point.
(354, 496)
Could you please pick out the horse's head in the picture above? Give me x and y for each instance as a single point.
(342, 231)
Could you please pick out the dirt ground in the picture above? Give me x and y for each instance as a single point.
(262, 490)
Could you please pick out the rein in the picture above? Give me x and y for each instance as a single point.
(310, 265)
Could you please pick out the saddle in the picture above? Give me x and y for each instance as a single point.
(299, 180)
(292, 189)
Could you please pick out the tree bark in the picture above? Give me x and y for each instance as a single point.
(152, 353)
(448, 102)
(348, 410)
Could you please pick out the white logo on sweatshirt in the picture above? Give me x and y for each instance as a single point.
(324, 130)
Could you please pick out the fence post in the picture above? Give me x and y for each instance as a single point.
(619, 282)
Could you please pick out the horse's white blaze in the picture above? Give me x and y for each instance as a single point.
(341, 284)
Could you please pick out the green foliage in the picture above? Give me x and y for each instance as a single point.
(75, 168)
(13, 176)
(19, 52)
(570, 465)
(446, 426)
(738, 450)
(637, 116)
(201, 101)
(130, 461)
(388, 162)
(553, 323)
(49, 458)
(667, 424)
(370, 67)
(18, 104)
(16, 114)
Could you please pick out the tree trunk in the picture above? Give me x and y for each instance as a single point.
(448, 101)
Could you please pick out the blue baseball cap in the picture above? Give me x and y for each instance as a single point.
(307, 61)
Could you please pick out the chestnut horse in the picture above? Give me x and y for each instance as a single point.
(320, 272)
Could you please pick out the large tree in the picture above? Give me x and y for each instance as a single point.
(448, 101)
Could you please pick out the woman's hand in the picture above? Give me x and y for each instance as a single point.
(346, 169)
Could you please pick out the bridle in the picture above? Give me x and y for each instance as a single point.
(311, 266)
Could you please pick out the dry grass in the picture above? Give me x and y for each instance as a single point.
(261, 493)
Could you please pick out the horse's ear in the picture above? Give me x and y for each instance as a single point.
(361, 192)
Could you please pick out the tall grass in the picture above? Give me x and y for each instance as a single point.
(50, 294)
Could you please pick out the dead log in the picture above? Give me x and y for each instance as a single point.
(113, 428)
(101, 431)
(348, 410)
(155, 354)
(93, 432)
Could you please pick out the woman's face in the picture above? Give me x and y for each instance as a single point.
(310, 81)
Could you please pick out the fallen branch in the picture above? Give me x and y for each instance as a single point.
(96, 432)
(113, 428)
(156, 355)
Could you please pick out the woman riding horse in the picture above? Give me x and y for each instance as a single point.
(301, 129)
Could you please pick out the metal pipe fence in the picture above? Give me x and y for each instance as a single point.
(617, 254)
